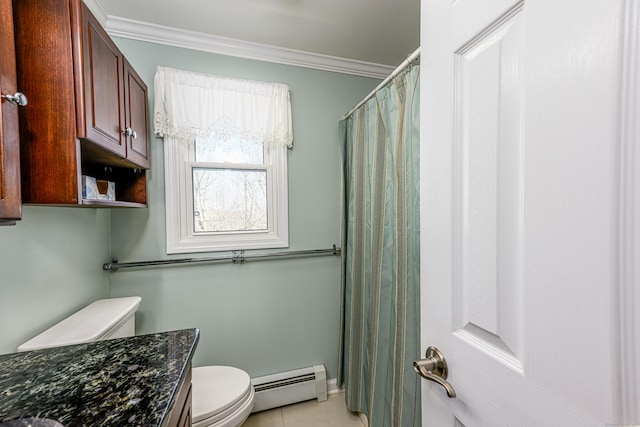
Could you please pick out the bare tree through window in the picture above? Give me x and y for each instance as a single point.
(229, 191)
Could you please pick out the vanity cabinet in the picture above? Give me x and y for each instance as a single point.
(87, 112)
(143, 380)
(10, 205)
(180, 415)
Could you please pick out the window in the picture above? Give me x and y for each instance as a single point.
(225, 178)
(229, 185)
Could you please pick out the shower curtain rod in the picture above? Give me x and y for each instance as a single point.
(410, 59)
(235, 257)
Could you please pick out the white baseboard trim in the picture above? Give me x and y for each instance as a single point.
(332, 387)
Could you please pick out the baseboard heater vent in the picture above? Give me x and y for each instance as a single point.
(290, 387)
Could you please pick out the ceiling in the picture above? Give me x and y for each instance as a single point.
(383, 32)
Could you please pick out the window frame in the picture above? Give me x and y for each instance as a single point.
(180, 235)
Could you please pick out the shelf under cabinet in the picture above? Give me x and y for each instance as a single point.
(112, 204)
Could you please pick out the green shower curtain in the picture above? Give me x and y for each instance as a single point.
(380, 322)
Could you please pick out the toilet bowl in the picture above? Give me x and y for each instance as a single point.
(225, 396)
(222, 396)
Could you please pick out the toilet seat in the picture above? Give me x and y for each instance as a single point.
(221, 396)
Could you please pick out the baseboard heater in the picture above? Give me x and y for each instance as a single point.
(290, 387)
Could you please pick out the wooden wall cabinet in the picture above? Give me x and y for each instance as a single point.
(136, 116)
(84, 96)
(10, 201)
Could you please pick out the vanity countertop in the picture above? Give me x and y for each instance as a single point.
(121, 382)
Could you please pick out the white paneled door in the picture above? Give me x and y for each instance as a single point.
(529, 199)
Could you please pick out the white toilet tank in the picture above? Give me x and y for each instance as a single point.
(100, 320)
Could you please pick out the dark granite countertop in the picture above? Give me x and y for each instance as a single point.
(122, 382)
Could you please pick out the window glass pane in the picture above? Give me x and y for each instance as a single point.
(229, 200)
(229, 149)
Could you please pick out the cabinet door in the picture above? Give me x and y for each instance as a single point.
(180, 415)
(103, 88)
(10, 203)
(136, 117)
(185, 416)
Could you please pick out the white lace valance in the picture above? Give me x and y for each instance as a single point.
(190, 105)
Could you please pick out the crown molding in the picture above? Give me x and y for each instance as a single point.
(96, 8)
(144, 31)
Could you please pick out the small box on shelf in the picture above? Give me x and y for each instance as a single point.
(106, 190)
(89, 188)
(98, 189)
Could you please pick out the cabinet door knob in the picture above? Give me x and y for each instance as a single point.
(18, 98)
(130, 132)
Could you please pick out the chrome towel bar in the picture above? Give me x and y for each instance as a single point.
(236, 257)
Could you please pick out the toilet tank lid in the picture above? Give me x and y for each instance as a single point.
(87, 325)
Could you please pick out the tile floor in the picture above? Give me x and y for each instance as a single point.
(331, 413)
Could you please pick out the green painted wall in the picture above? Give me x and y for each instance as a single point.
(51, 266)
(262, 316)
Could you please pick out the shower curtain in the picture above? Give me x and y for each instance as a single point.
(380, 319)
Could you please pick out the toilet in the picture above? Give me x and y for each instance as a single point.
(222, 396)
